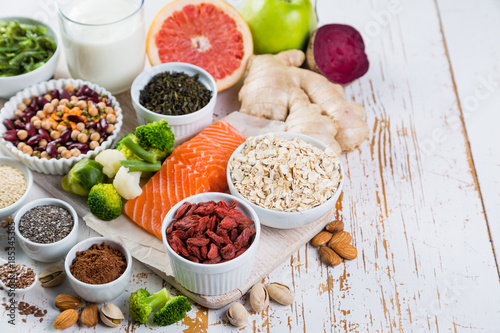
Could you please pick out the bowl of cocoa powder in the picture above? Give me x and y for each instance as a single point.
(99, 269)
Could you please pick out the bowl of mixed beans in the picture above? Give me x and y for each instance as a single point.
(52, 125)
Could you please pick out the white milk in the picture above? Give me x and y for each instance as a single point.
(107, 45)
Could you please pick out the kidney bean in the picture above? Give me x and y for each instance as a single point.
(90, 92)
(45, 134)
(104, 124)
(34, 139)
(65, 136)
(15, 118)
(28, 115)
(80, 91)
(54, 94)
(41, 148)
(107, 101)
(19, 125)
(34, 105)
(84, 148)
(8, 124)
(30, 128)
(41, 101)
(74, 118)
(56, 142)
(64, 94)
(51, 149)
(94, 99)
(90, 124)
(10, 135)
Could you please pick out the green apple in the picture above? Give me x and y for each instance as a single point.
(279, 25)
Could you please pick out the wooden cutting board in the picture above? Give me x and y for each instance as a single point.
(276, 245)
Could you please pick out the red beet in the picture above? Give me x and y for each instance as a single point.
(337, 51)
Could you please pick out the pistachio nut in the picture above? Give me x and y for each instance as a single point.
(259, 298)
(52, 276)
(111, 315)
(237, 315)
(280, 293)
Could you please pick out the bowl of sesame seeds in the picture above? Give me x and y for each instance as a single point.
(15, 182)
(46, 229)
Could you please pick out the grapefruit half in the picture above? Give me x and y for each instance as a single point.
(210, 34)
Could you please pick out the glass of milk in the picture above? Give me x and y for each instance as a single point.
(104, 40)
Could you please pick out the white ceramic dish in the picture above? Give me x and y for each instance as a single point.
(19, 291)
(52, 251)
(9, 210)
(288, 220)
(54, 166)
(12, 84)
(99, 293)
(186, 126)
(213, 279)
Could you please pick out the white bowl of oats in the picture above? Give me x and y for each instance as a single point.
(289, 179)
(15, 182)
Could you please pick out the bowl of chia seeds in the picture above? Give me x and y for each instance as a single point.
(46, 229)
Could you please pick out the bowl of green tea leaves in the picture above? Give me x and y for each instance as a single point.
(28, 53)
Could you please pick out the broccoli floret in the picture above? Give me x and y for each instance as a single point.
(156, 135)
(172, 309)
(105, 202)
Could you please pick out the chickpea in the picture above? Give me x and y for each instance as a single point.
(69, 87)
(48, 108)
(55, 135)
(109, 110)
(21, 145)
(40, 114)
(74, 100)
(75, 152)
(34, 118)
(60, 108)
(18, 113)
(66, 154)
(37, 124)
(111, 118)
(36, 153)
(81, 105)
(80, 126)
(110, 129)
(55, 102)
(21, 106)
(93, 144)
(44, 154)
(101, 105)
(28, 150)
(48, 97)
(61, 149)
(61, 128)
(74, 135)
(42, 143)
(22, 134)
(93, 111)
(27, 101)
(92, 131)
(83, 138)
(64, 101)
(46, 125)
(95, 136)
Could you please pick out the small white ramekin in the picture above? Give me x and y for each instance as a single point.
(9, 210)
(12, 84)
(52, 251)
(185, 126)
(287, 220)
(63, 165)
(99, 293)
(213, 279)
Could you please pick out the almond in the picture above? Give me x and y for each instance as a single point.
(65, 301)
(321, 238)
(341, 237)
(66, 319)
(90, 315)
(335, 226)
(329, 257)
(346, 251)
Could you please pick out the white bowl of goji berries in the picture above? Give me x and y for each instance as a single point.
(211, 240)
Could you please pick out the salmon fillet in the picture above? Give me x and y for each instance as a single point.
(196, 166)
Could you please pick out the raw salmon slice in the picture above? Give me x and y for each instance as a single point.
(196, 166)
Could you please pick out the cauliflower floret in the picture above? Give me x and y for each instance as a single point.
(127, 183)
(110, 161)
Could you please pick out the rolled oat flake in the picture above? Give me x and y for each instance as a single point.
(46, 224)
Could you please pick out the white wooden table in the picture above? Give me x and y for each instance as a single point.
(422, 196)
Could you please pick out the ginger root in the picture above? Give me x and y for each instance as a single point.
(275, 88)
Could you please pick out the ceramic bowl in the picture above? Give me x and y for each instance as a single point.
(19, 291)
(54, 166)
(185, 126)
(99, 293)
(12, 84)
(9, 210)
(219, 278)
(288, 220)
(52, 251)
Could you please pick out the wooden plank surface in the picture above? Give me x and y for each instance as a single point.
(411, 199)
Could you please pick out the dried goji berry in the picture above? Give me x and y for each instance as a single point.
(223, 204)
(234, 211)
(193, 259)
(240, 251)
(233, 234)
(213, 252)
(171, 227)
(173, 245)
(187, 222)
(182, 210)
(228, 252)
(202, 224)
(197, 241)
(179, 233)
(215, 238)
(243, 238)
(215, 260)
(205, 209)
(180, 245)
(195, 251)
(204, 251)
(211, 223)
(221, 232)
(221, 212)
(228, 222)
(191, 209)
(233, 204)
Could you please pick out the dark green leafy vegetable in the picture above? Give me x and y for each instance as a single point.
(174, 94)
(23, 47)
